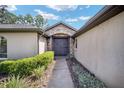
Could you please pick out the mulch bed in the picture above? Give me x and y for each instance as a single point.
(43, 82)
(81, 77)
(3, 77)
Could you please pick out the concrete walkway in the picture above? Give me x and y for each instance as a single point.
(61, 77)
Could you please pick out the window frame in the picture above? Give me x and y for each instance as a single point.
(4, 54)
(75, 43)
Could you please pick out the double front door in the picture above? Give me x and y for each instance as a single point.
(61, 46)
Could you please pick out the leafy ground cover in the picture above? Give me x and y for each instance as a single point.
(82, 78)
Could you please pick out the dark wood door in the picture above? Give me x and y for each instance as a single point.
(61, 46)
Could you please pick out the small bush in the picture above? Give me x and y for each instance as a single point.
(27, 65)
(38, 72)
(14, 82)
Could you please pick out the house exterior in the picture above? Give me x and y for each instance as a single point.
(99, 45)
(23, 40)
(60, 38)
(19, 41)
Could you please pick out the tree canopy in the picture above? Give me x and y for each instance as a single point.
(7, 17)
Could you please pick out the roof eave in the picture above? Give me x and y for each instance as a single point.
(106, 13)
(47, 29)
(38, 30)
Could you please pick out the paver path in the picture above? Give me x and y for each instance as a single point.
(61, 77)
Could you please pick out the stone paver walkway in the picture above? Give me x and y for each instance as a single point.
(61, 77)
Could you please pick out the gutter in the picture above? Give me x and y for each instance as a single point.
(104, 14)
(38, 30)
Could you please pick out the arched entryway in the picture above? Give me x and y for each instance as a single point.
(60, 39)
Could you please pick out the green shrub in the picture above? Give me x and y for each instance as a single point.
(14, 82)
(25, 66)
(38, 72)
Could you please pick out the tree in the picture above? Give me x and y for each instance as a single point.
(6, 17)
(28, 19)
(38, 20)
(2, 13)
(20, 20)
(10, 18)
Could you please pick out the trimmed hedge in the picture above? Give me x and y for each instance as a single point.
(25, 66)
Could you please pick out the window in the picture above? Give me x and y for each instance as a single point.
(3, 47)
(76, 43)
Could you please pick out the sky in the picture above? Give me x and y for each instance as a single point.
(74, 15)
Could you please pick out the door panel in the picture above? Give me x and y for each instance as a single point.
(61, 46)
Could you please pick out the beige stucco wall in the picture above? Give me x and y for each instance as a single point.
(42, 44)
(21, 44)
(101, 50)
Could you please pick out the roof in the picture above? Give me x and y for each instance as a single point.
(16, 26)
(19, 28)
(60, 23)
(104, 14)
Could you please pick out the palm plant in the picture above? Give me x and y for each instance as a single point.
(14, 82)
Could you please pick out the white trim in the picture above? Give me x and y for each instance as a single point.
(3, 58)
